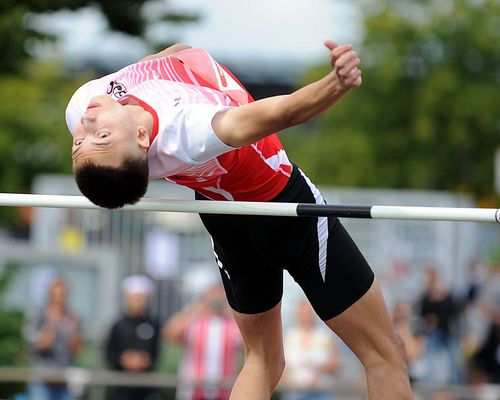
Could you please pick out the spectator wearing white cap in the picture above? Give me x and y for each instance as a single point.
(132, 345)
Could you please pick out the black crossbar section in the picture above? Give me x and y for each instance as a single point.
(327, 210)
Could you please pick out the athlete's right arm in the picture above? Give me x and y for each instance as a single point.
(241, 126)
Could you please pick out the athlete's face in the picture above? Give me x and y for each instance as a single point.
(106, 134)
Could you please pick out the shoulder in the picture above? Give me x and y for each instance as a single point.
(186, 133)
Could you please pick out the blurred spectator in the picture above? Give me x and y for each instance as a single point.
(486, 360)
(476, 279)
(212, 347)
(475, 322)
(132, 345)
(485, 363)
(312, 357)
(442, 394)
(403, 317)
(55, 340)
(439, 313)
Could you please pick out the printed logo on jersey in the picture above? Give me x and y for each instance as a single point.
(116, 89)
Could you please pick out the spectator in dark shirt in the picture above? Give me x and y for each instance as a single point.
(487, 358)
(485, 363)
(132, 345)
(439, 313)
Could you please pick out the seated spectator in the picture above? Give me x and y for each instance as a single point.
(212, 347)
(312, 358)
(132, 344)
(54, 338)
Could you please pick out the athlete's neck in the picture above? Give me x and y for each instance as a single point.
(141, 116)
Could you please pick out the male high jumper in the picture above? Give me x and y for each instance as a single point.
(181, 116)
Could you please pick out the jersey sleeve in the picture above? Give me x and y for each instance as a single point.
(81, 98)
(189, 137)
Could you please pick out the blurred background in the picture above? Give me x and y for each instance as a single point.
(424, 129)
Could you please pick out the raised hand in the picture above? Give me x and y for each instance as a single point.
(345, 63)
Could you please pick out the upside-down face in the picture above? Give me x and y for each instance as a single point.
(107, 133)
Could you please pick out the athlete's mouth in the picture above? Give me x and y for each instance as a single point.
(93, 104)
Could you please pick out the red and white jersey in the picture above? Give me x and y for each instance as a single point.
(183, 93)
(213, 346)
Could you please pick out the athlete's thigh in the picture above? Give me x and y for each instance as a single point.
(251, 285)
(366, 327)
(262, 333)
(332, 272)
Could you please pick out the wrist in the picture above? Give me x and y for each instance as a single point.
(334, 85)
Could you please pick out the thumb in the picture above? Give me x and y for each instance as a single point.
(330, 44)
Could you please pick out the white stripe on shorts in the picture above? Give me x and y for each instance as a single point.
(322, 227)
(219, 262)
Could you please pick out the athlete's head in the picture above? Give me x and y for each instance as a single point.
(110, 145)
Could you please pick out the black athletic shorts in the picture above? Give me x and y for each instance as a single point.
(252, 251)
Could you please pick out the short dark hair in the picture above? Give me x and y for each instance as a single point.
(113, 187)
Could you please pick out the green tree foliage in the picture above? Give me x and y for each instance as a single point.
(33, 135)
(428, 113)
(16, 31)
(12, 344)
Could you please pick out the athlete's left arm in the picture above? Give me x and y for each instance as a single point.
(241, 126)
(169, 51)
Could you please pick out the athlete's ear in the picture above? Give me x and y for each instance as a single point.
(143, 137)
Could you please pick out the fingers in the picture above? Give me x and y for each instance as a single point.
(330, 44)
(341, 49)
(345, 62)
(355, 79)
(348, 62)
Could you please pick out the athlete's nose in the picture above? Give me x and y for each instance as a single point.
(87, 120)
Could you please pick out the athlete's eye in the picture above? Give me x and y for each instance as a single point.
(78, 142)
(103, 135)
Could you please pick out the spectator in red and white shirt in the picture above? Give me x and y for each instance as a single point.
(212, 347)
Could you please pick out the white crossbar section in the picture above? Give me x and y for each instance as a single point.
(436, 213)
(148, 204)
(269, 209)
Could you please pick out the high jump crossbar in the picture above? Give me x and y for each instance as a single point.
(265, 209)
